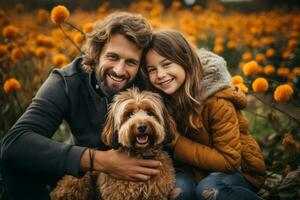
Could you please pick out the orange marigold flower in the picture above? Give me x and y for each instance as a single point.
(231, 44)
(59, 14)
(42, 16)
(247, 56)
(296, 71)
(251, 68)
(283, 71)
(237, 79)
(2, 13)
(197, 8)
(243, 87)
(269, 69)
(202, 37)
(17, 54)
(78, 38)
(219, 41)
(20, 7)
(11, 85)
(294, 34)
(176, 5)
(3, 49)
(291, 145)
(270, 53)
(291, 76)
(40, 52)
(260, 85)
(254, 43)
(266, 41)
(45, 41)
(283, 92)
(10, 31)
(292, 44)
(286, 54)
(89, 27)
(260, 57)
(218, 49)
(60, 60)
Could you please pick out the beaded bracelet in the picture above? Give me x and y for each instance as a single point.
(92, 156)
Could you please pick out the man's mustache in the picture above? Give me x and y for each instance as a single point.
(113, 73)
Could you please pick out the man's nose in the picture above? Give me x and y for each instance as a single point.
(119, 68)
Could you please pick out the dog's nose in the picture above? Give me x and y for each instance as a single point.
(142, 128)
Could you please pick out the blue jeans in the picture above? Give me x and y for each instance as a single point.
(216, 186)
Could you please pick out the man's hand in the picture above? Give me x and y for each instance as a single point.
(119, 165)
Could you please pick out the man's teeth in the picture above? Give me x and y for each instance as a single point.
(116, 78)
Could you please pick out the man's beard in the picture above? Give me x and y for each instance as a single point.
(113, 89)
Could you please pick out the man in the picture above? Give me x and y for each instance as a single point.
(79, 94)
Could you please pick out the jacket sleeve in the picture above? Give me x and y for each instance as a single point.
(28, 144)
(225, 153)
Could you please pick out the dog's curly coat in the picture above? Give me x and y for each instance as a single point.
(139, 124)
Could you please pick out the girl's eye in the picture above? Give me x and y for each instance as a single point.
(150, 69)
(167, 64)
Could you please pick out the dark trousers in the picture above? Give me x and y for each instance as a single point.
(23, 185)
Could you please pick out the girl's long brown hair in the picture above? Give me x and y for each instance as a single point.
(184, 102)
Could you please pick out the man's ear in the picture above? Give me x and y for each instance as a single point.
(109, 134)
(170, 128)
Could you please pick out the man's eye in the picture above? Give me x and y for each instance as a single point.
(112, 57)
(131, 63)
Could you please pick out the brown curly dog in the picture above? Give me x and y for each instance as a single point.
(138, 123)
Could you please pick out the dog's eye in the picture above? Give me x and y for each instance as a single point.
(150, 113)
(128, 115)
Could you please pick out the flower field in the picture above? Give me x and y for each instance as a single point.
(262, 51)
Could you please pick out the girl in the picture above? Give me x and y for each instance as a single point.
(215, 156)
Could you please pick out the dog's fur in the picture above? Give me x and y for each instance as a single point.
(137, 123)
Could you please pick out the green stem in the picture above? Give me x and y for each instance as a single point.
(70, 24)
(276, 108)
(259, 115)
(19, 104)
(70, 39)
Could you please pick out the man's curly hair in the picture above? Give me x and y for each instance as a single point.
(134, 27)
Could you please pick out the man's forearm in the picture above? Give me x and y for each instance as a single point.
(85, 162)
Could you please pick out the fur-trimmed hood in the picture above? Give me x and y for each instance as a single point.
(216, 80)
(215, 74)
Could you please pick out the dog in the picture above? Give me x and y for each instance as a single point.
(139, 124)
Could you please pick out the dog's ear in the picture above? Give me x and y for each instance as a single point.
(109, 134)
(170, 127)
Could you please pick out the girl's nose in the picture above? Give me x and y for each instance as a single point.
(161, 73)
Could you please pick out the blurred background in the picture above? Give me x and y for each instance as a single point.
(259, 39)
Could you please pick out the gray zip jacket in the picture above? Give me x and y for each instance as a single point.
(68, 95)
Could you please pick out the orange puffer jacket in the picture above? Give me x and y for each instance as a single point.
(222, 141)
